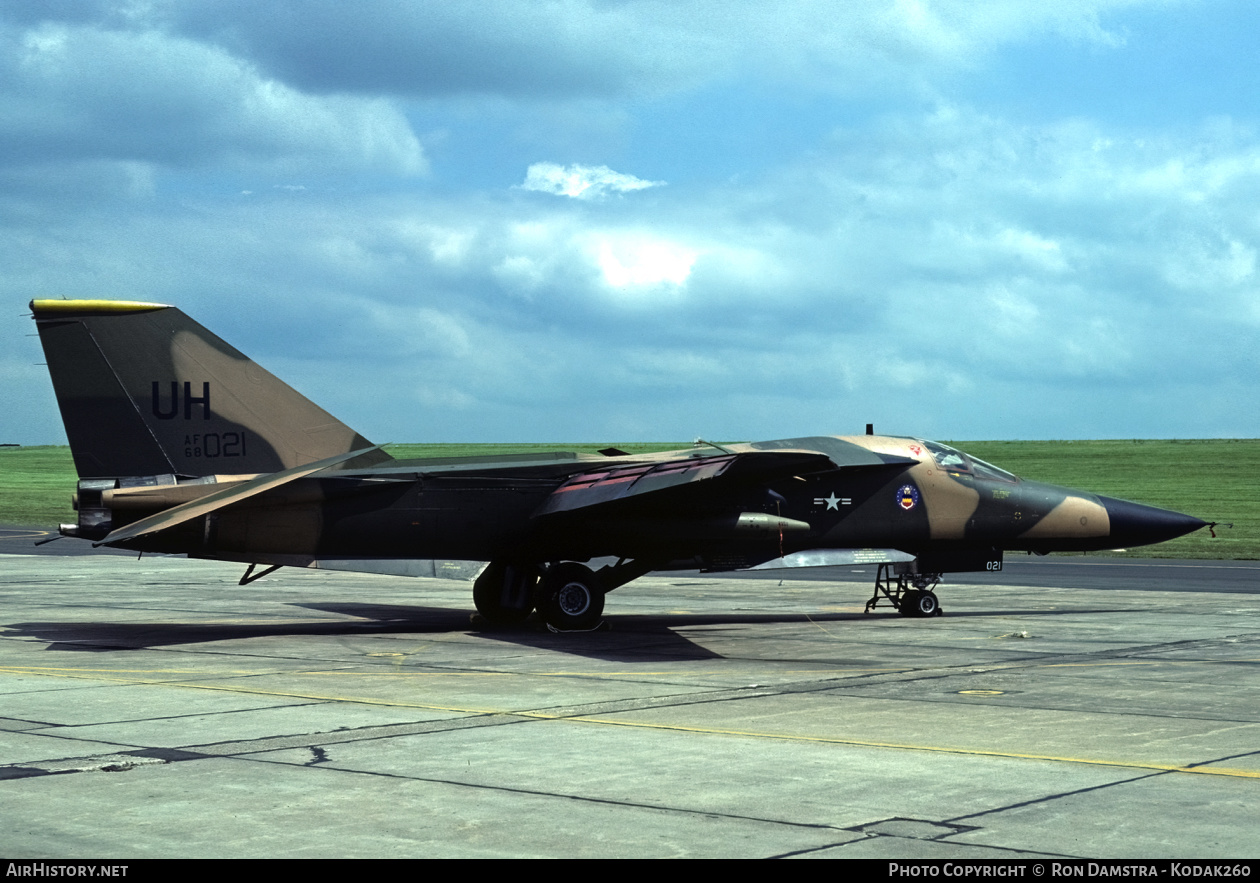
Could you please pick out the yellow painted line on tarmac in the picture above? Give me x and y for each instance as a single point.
(645, 725)
(85, 672)
(1107, 664)
(1175, 662)
(52, 671)
(599, 674)
(905, 746)
(73, 672)
(117, 676)
(104, 674)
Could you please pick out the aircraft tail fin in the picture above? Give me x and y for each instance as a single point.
(145, 390)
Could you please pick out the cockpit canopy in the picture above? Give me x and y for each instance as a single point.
(955, 461)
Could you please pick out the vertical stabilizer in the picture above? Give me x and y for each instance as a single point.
(145, 390)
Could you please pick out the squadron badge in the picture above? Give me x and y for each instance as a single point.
(907, 496)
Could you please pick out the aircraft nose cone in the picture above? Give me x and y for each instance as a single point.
(1133, 524)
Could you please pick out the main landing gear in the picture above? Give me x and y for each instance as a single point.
(504, 593)
(569, 596)
(911, 594)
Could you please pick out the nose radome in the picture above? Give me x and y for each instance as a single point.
(1133, 524)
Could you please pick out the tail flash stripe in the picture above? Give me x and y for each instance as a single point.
(51, 307)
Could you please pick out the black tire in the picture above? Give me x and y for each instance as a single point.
(927, 605)
(909, 603)
(570, 597)
(504, 593)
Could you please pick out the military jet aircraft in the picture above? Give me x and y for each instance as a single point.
(184, 445)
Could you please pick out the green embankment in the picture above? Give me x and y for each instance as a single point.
(36, 485)
(1215, 479)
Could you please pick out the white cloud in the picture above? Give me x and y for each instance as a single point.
(521, 273)
(844, 267)
(75, 92)
(1033, 248)
(571, 48)
(642, 261)
(1202, 265)
(581, 182)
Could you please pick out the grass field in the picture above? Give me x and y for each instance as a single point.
(35, 486)
(1215, 479)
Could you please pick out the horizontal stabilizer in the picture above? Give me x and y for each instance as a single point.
(178, 515)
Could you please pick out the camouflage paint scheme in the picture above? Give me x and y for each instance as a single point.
(183, 444)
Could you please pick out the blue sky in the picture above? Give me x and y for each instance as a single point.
(623, 221)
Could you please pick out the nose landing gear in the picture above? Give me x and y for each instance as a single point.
(910, 594)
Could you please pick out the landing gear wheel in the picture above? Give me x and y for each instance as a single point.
(920, 603)
(908, 605)
(928, 605)
(504, 593)
(570, 597)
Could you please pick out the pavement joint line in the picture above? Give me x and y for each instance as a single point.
(904, 746)
(145, 757)
(251, 746)
(713, 695)
(341, 737)
(574, 715)
(362, 700)
(486, 717)
(583, 798)
(127, 760)
(716, 694)
(1046, 798)
(1103, 658)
